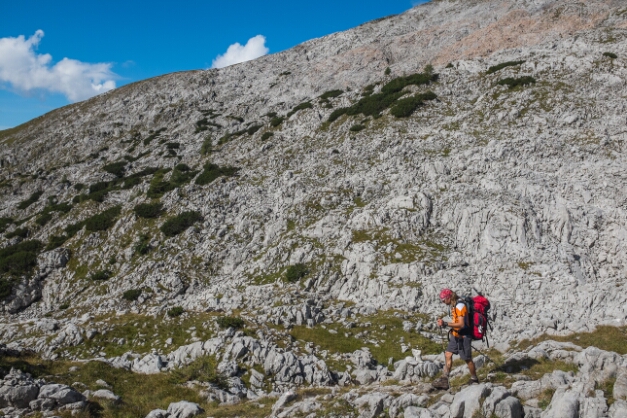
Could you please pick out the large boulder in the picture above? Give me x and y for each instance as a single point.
(184, 409)
(468, 401)
(61, 394)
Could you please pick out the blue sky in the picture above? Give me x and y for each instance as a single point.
(118, 42)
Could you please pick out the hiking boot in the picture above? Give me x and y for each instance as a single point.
(441, 383)
(473, 381)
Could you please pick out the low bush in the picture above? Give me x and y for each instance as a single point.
(515, 82)
(64, 306)
(387, 71)
(337, 113)
(149, 210)
(405, 107)
(32, 199)
(132, 294)
(253, 129)
(207, 146)
(117, 169)
(152, 136)
(180, 223)
(101, 275)
(271, 114)
(296, 272)
(357, 128)
(203, 369)
(17, 260)
(103, 220)
(230, 322)
(19, 232)
(212, 171)
(449, 65)
(267, 135)
(4, 223)
(610, 55)
(331, 94)
(502, 65)
(142, 247)
(55, 241)
(181, 175)
(276, 121)
(157, 186)
(302, 106)
(175, 311)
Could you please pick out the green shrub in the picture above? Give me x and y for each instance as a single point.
(207, 146)
(515, 82)
(399, 83)
(180, 223)
(152, 136)
(64, 306)
(449, 65)
(4, 223)
(101, 275)
(296, 272)
(212, 171)
(230, 322)
(357, 128)
(43, 219)
(132, 294)
(104, 220)
(330, 94)
(118, 168)
(271, 114)
(253, 129)
(32, 199)
(388, 71)
(73, 229)
(173, 145)
(181, 175)
(17, 260)
(267, 135)
(374, 104)
(498, 67)
(337, 113)
(157, 186)
(610, 55)
(302, 106)
(19, 232)
(55, 241)
(148, 210)
(175, 311)
(79, 186)
(276, 121)
(405, 107)
(142, 246)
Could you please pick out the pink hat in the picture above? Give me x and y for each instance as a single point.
(445, 294)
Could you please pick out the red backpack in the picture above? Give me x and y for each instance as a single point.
(477, 319)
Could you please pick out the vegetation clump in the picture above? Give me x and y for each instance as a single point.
(374, 104)
(101, 275)
(512, 83)
(405, 107)
(19, 232)
(207, 146)
(132, 294)
(267, 135)
(103, 220)
(180, 223)
(302, 106)
(230, 322)
(276, 121)
(32, 199)
(15, 261)
(212, 171)
(175, 311)
(296, 272)
(331, 94)
(502, 65)
(357, 128)
(610, 55)
(142, 247)
(152, 136)
(4, 223)
(253, 129)
(149, 210)
(117, 169)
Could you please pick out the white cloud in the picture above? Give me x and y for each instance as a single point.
(26, 71)
(236, 53)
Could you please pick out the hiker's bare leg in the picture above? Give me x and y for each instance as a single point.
(448, 364)
(471, 368)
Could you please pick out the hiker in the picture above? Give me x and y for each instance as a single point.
(460, 339)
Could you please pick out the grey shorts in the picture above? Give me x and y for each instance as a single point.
(460, 346)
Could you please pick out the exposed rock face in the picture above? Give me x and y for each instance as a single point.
(519, 192)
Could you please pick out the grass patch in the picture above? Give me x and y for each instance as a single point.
(207, 146)
(4, 223)
(502, 65)
(142, 247)
(101, 275)
(32, 199)
(213, 171)
(152, 136)
(605, 337)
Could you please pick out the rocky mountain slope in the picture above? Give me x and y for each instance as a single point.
(299, 213)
